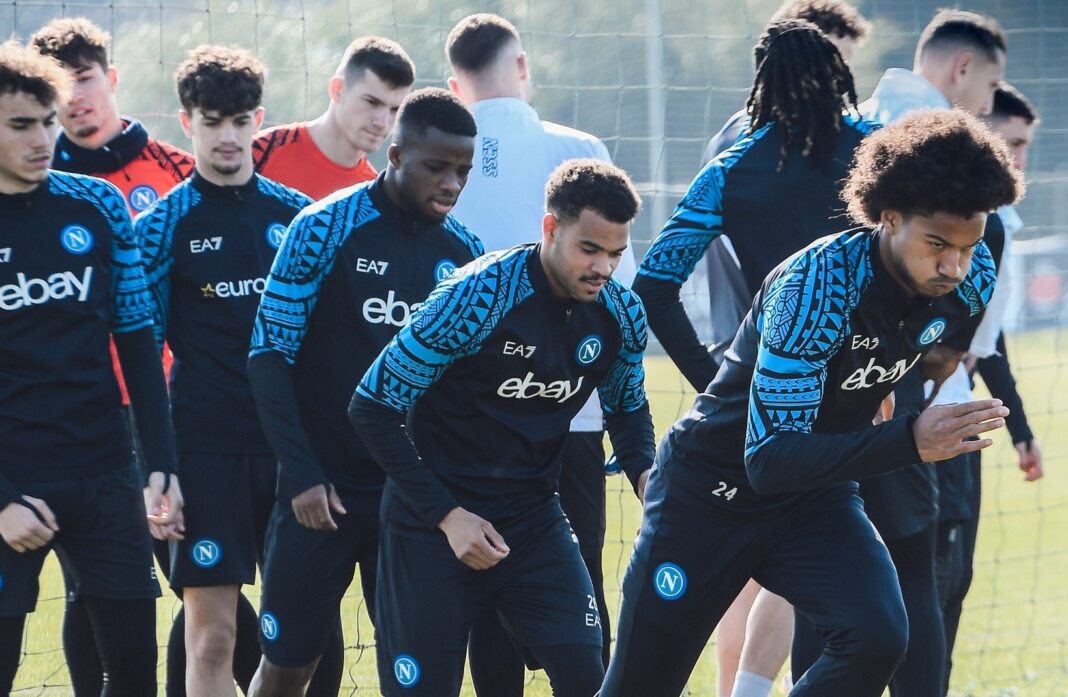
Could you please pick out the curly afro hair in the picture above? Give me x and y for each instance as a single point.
(931, 162)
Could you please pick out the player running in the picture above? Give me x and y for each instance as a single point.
(756, 481)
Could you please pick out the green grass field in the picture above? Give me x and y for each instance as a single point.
(1014, 634)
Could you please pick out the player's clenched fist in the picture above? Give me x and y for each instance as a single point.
(24, 529)
(473, 539)
(941, 432)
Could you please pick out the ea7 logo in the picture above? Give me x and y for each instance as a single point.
(209, 244)
(669, 581)
(512, 348)
(5, 255)
(868, 343)
(371, 266)
(406, 670)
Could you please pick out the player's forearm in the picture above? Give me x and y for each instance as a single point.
(633, 441)
(382, 430)
(790, 461)
(142, 370)
(997, 374)
(671, 325)
(271, 379)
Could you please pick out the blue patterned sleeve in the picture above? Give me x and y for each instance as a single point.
(802, 325)
(623, 390)
(452, 323)
(305, 258)
(154, 230)
(622, 393)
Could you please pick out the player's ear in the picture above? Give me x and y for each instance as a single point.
(393, 154)
(337, 83)
(113, 78)
(456, 88)
(258, 115)
(187, 122)
(521, 65)
(891, 220)
(962, 63)
(548, 227)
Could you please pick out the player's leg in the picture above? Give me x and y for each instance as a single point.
(769, 631)
(108, 547)
(19, 597)
(496, 666)
(582, 496)
(964, 555)
(217, 555)
(690, 561)
(730, 638)
(425, 602)
(305, 575)
(79, 648)
(544, 596)
(920, 673)
(829, 562)
(125, 632)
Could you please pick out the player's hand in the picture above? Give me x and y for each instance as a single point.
(22, 529)
(164, 508)
(312, 507)
(941, 431)
(1030, 460)
(643, 480)
(886, 410)
(473, 539)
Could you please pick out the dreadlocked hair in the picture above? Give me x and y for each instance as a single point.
(802, 84)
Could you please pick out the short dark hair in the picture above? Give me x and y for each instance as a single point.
(23, 69)
(1009, 102)
(384, 57)
(437, 108)
(933, 161)
(477, 40)
(951, 28)
(833, 17)
(73, 41)
(220, 78)
(603, 188)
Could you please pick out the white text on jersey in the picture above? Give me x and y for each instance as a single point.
(235, 289)
(529, 388)
(865, 342)
(371, 266)
(512, 348)
(872, 374)
(37, 291)
(388, 311)
(210, 244)
(5, 255)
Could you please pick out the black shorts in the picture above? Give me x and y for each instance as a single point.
(427, 599)
(305, 576)
(694, 555)
(103, 542)
(228, 501)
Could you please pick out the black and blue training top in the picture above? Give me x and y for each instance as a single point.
(352, 270)
(207, 250)
(492, 369)
(767, 211)
(829, 336)
(70, 275)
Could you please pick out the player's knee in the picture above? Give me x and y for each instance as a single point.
(881, 637)
(212, 644)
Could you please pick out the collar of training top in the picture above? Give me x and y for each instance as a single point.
(236, 192)
(116, 154)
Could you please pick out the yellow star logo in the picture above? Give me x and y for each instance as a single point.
(208, 291)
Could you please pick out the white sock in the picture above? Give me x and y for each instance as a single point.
(751, 685)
